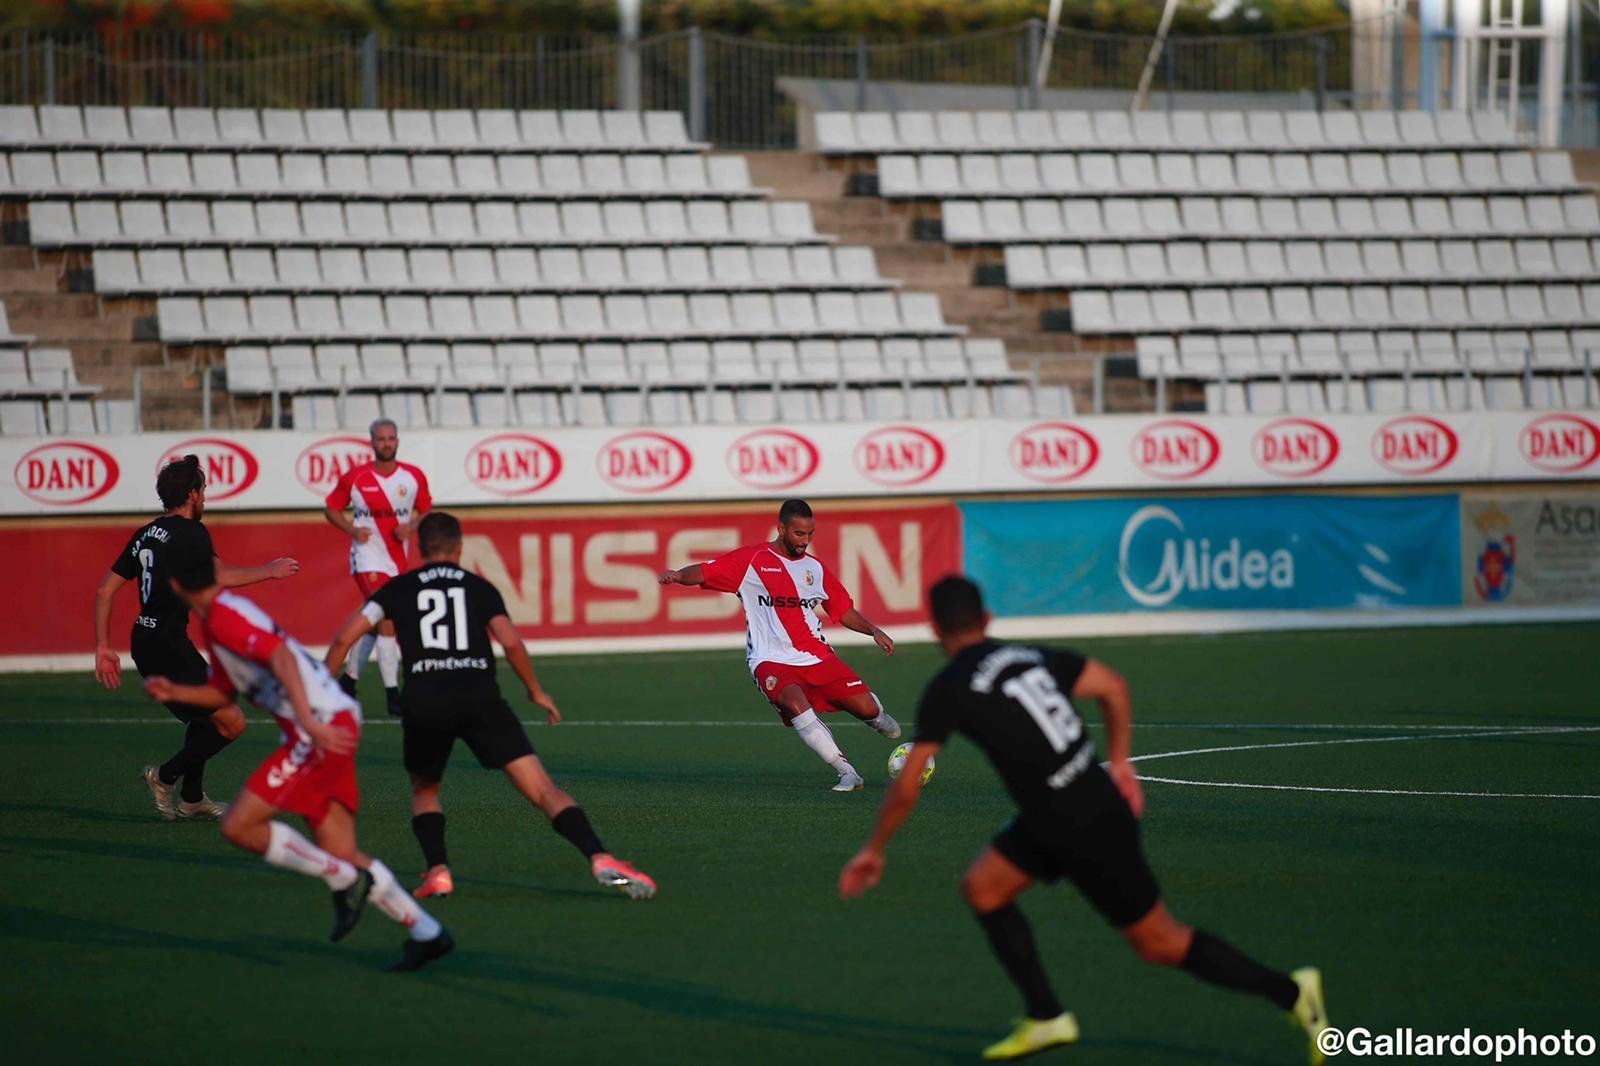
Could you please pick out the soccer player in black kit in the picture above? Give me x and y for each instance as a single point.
(160, 641)
(1075, 820)
(444, 617)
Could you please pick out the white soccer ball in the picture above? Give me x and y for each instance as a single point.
(897, 762)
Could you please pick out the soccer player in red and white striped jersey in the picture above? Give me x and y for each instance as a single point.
(386, 499)
(313, 772)
(782, 586)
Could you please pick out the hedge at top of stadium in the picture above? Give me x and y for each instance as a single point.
(760, 18)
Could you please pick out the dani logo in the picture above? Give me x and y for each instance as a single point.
(322, 464)
(229, 468)
(1413, 445)
(1183, 563)
(513, 464)
(1175, 450)
(644, 461)
(1054, 452)
(772, 459)
(897, 456)
(1294, 447)
(66, 473)
(1560, 444)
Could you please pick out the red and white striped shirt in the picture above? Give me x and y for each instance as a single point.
(780, 597)
(380, 504)
(240, 638)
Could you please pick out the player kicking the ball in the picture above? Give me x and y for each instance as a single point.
(313, 773)
(1076, 820)
(781, 586)
(444, 618)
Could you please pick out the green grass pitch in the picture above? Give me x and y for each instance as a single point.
(123, 938)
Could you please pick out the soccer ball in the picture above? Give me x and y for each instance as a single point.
(897, 762)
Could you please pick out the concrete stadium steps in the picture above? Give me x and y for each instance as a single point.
(105, 337)
(890, 229)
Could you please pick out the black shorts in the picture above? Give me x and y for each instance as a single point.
(174, 658)
(1096, 847)
(488, 725)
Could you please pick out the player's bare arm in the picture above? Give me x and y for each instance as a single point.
(287, 671)
(344, 525)
(404, 531)
(1101, 683)
(505, 634)
(865, 868)
(854, 619)
(690, 576)
(107, 664)
(164, 690)
(354, 629)
(233, 577)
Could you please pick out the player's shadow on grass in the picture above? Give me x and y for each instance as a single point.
(581, 895)
(1163, 1051)
(49, 927)
(104, 849)
(466, 968)
(82, 814)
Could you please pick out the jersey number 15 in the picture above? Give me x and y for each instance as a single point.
(437, 629)
(1035, 688)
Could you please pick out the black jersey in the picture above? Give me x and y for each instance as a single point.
(154, 553)
(1013, 701)
(441, 616)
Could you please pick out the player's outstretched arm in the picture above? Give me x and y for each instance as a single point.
(865, 868)
(358, 626)
(1101, 683)
(854, 619)
(107, 665)
(506, 635)
(233, 577)
(163, 690)
(691, 575)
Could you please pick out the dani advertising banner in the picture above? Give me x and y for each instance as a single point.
(1218, 553)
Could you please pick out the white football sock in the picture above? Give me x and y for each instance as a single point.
(289, 850)
(397, 903)
(819, 739)
(389, 661)
(357, 660)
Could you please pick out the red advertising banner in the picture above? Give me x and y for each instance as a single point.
(564, 574)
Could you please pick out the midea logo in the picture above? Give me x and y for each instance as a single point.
(1187, 564)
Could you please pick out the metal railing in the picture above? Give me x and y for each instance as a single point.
(728, 86)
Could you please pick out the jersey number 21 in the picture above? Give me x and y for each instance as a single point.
(436, 627)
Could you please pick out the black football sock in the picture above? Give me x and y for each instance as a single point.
(1012, 942)
(173, 768)
(429, 830)
(200, 743)
(1220, 963)
(573, 824)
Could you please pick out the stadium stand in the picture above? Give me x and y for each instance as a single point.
(1286, 261)
(462, 268)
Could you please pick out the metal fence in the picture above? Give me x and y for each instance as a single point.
(727, 85)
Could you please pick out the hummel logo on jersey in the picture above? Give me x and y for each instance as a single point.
(851, 684)
(770, 570)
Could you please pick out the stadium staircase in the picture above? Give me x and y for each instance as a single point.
(908, 247)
